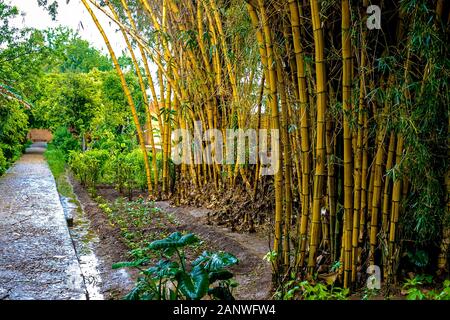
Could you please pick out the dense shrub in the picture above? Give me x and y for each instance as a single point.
(64, 141)
(126, 170)
(13, 132)
(88, 166)
(3, 163)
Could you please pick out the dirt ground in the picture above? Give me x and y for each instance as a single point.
(252, 273)
(109, 249)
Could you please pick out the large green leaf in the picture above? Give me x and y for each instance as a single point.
(130, 264)
(164, 268)
(215, 261)
(133, 294)
(175, 240)
(194, 285)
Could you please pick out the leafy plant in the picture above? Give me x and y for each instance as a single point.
(3, 163)
(306, 290)
(419, 258)
(65, 141)
(415, 289)
(13, 131)
(171, 278)
(88, 165)
(369, 293)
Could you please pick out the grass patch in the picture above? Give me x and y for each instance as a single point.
(56, 161)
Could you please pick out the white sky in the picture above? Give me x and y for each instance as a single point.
(72, 15)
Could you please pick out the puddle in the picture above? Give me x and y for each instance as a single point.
(84, 240)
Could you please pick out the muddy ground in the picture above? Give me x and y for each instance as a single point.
(109, 248)
(252, 273)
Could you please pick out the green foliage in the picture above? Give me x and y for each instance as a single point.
(170, 244)
(6, 32)
(215, 261)
(88, 165)
(423, 121)
(126, 170)
(3, 163)
(55, 159)
(64, 141)
(72, 88)
(67, 100)
(139, 221)
(305, 290)
(415, 289)
(170, 279)
(13, 132)
(368, 293)
(419, 258)
(79, 56)
(50, 6)
(57, 163)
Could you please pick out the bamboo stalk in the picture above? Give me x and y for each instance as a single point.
(320, 144)
(273, 100)
(304, 130)
(348, 158)
(127, 94)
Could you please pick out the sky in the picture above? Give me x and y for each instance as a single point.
(73, 15)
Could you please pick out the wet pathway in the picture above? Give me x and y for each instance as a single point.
(37, 257)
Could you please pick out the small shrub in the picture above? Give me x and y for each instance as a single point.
(306, 290)
(88, 165)
(127, 171)
(415, 289)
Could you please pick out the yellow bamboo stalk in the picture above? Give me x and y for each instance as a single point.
(320, 144)
(152, 89)
(376, 194)
(348, 158)
(287, 168)
(275, 125)
(304, 129)
(386, 193)
(224, 47)
(359, 165)
(127, 94)
(395, 210)
(141, 86)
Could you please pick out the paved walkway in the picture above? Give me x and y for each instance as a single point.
(37, 258)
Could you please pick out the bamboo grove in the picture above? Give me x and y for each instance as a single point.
(362, 114)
